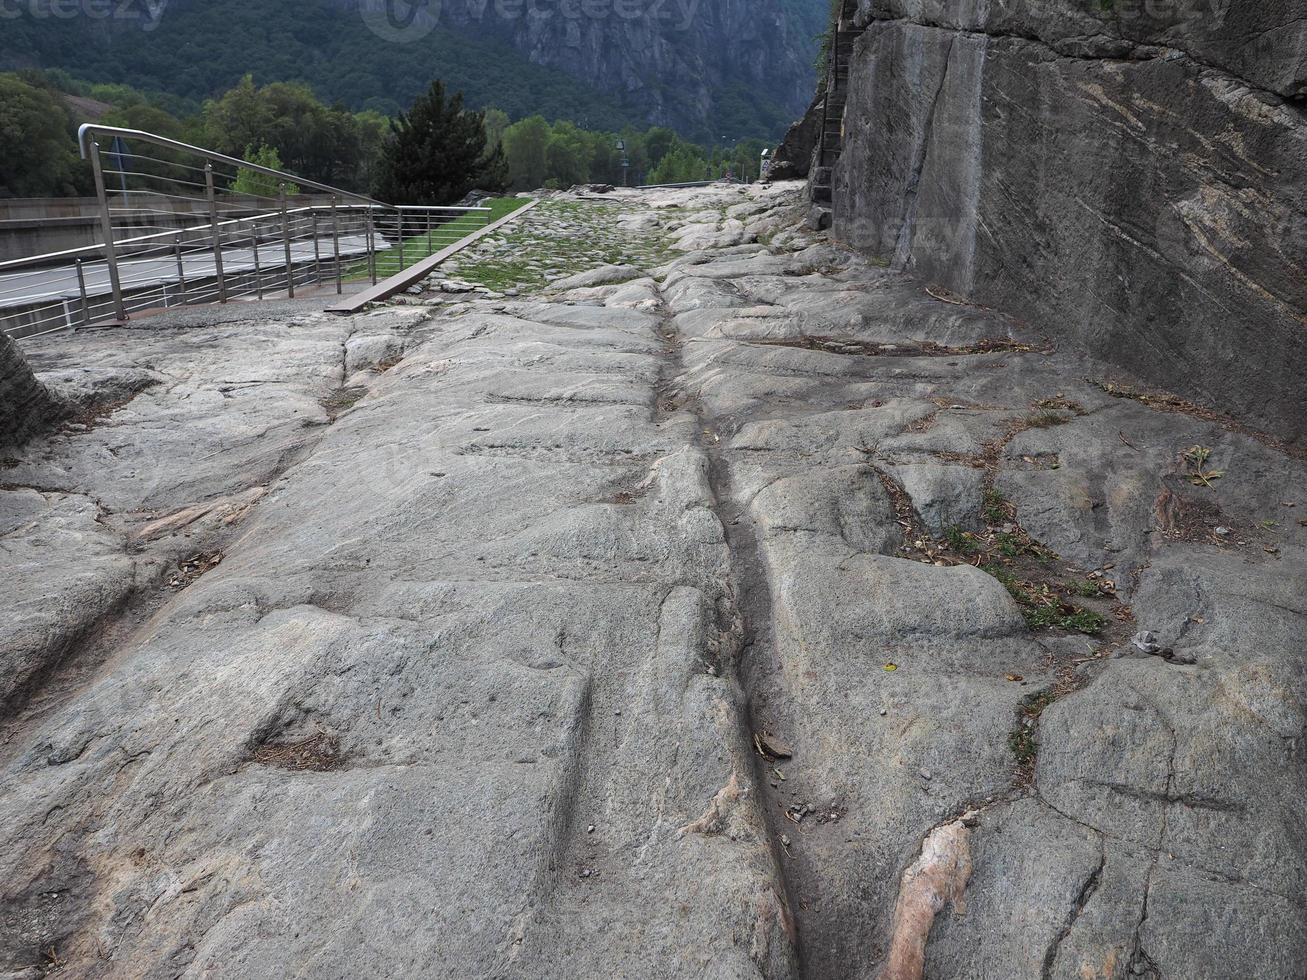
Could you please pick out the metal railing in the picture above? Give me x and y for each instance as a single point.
(178, 228)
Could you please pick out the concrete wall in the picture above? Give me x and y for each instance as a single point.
(36, 226)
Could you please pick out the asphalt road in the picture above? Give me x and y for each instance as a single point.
(24, 289)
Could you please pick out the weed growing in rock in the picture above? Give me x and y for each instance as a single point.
(1085, 588)
(1022, 739)
(963, 542)
(1023, 745)
(996, 509)
(1054, 614)
(1196, 457)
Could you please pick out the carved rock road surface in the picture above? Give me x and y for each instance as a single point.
(768, 614)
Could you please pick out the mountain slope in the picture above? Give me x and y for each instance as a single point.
(729, 68)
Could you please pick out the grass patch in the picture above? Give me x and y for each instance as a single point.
(1021, 740)
(996, 508)
(963, 542)
(1086, 588)
(1023, 745)
(1042, 608)
(417, 247)
(1064, 616)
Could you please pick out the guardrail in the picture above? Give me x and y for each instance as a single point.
(223, 239)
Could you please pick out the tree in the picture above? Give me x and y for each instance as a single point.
(312, 140)
(680, 165)
(658, 142)
(40, 157)
(496, 122)
(567, 154)
(261, 184)
(374, 128)
(437, 153)
(525, 146)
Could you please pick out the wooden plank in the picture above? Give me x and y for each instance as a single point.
(420, 270)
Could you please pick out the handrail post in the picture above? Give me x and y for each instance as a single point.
(106, 228)
(317, 251)
(258, 272)
(216, 232)
(372, 246)
(81, 290)
(335, 244)
(399, 234)
(285, 239)
(181, 268)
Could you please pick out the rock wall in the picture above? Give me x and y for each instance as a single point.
(793, 158)
(26, 405)
(1130, 176)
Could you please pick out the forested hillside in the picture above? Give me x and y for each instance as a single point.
(709, 70)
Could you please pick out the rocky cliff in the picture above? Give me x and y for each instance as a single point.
(1130, 177)
(682, 62)
(25, 404)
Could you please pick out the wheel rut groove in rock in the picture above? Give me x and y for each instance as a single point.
(762, 615)
(745, 606)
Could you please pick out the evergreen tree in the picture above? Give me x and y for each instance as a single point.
(437, 153)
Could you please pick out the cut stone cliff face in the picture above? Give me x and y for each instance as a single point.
(1132, 178)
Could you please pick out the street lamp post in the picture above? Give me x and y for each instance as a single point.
(626, 163)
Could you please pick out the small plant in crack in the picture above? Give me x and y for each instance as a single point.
(1043, 608)
(1055, 614)
(1022, 740)
(996, 509)
(1009, 545)
(1050, 593)
(963, 542)
(1085, 588)
(1014, 544)
(1196, 458)
(1023, 745)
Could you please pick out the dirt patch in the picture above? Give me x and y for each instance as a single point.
(1053, 595)
(341, 400)
(1181, 514)
(192, 568)
(1163, 401)
(624, 498)
(832, 345)
(319, 752)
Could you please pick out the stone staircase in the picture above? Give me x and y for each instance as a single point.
(831, 140)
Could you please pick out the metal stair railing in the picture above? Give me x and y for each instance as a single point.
(176, 230)
(837, 66)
